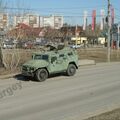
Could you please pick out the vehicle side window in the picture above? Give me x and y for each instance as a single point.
(53, 59)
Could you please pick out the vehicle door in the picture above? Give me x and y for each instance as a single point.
(53, 64)
(62, 61)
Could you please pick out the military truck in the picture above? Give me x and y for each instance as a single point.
(50, 62)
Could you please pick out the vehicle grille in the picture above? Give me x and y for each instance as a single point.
(24, 68)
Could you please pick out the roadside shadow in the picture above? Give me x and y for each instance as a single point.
(56, 75)
(22, 78)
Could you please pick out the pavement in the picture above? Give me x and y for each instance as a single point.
(93, 90)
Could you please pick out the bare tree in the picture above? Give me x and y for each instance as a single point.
(1, 34)
(11, 58)
(53, 35)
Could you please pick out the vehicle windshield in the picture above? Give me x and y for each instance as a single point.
(41, 57)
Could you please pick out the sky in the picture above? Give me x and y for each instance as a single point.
(72, 10)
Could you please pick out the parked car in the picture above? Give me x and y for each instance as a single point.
(28, 45)
(8, 46)
(77, 46)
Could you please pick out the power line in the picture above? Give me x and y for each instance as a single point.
(117, 9)
(81, 16)
(54, 12)
(37, 9)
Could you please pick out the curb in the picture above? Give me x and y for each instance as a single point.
(86, 62)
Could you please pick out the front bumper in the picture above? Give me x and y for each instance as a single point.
(26, 73)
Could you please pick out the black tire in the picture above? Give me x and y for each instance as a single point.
(71, 70)
(41, 75)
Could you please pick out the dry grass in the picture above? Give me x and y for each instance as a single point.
(98, 54)
(112, 115)
(23, 55)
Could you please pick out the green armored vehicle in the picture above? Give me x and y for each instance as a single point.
(50, 62)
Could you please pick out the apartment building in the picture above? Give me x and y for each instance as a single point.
(35, 21)
(4, 20)
(53, 21)
(27, 19)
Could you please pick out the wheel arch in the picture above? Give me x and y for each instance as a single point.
(74, 64)
(41, 68)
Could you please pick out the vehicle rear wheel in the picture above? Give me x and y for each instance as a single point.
(41, 75)
(71, 70)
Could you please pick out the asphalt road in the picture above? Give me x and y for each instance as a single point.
(93, 90)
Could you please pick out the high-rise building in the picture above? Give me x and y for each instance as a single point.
(53, 21)
(32, 20)
(4, 20)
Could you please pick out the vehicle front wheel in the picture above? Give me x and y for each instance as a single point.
(71, 70)
(41, 75)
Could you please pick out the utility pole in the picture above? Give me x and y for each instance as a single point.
(76, 36)
(109, 28)
(118, 42)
